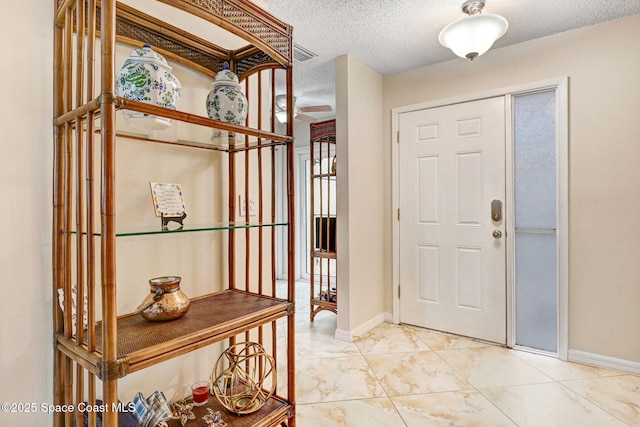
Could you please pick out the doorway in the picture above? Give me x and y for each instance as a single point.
(452, 193)
(529, 247)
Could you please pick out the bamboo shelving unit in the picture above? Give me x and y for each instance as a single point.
(323, 256)
(84, 214)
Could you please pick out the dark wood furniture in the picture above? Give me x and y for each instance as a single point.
(323, 237)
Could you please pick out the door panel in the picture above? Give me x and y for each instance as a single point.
(452, 269)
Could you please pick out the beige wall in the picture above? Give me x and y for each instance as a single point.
(25, 190)
(604, 148)
(360, 197)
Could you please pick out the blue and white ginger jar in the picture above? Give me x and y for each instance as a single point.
(226, 101)
(146, 77)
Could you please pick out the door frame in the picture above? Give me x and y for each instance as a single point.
(561, 87)
(302, 154)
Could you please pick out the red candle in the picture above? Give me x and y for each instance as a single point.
(200, 392)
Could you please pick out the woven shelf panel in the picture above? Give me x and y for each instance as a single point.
(128, 29)
(273, 410)
(221, 310)
(322, 129)
(277, 38)
(251, 61)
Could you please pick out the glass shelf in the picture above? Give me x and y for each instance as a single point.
(218, 144)
(149, 230)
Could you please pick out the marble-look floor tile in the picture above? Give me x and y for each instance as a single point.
(560, 370)
(388, 338)
(319, 346)
(353, 413)
(457, 408)
(492, 366)
(324, 324)
(619, 395)
(333, 379)
(548, 405)
(415, 373)
(442, 341)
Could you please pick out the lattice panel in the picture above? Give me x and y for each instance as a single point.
(277, 38)
(265, 33)
(214, 6)
(128, 29)
(249, 62)
(322, 129)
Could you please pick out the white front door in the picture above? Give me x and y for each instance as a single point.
(452, 249)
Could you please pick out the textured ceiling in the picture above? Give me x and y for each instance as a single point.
(392, 36)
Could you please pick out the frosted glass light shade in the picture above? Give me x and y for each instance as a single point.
(473, 35)
(281, 116)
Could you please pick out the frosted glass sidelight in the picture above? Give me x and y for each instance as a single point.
(535, 221)
(536, 307)
(535, 160)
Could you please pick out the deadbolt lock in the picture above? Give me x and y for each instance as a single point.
(497, 234)
(496, 210)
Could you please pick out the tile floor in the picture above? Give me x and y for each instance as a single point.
(399, 375)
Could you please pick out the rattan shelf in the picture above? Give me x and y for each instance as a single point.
(210, 318)
(273, 413)
(323, 255)
(253, 162)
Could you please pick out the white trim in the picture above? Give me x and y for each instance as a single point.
(606, 362)
(562, 208)
(560, 84)
(301, 155)
(395, 203)
(281, 213)
(509, 225)
(492, 93)
(350, 336)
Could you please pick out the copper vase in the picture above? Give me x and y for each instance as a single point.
(165, 301)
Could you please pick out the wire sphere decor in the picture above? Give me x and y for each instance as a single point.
(244, 378)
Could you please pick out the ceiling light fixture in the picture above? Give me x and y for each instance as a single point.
(473, 35)
(281, 116)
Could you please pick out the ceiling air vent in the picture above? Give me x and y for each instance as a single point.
(301, 54)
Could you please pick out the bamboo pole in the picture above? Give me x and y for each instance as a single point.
(312, 235)
(272, 254)
(260, 188)
(68, 197)
(247, 208)
(61, 10)
(127, 104)
(247, 200)
(90, 174)
(108, 111)
(260, 201)
(79, 112)
(291, 332)
(80, 206)
(59, 384)
(273, 185)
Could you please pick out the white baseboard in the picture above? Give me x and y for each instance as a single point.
(606, 362)
(350, 336)
(388, 317)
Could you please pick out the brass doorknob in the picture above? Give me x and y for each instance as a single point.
(497, 234)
